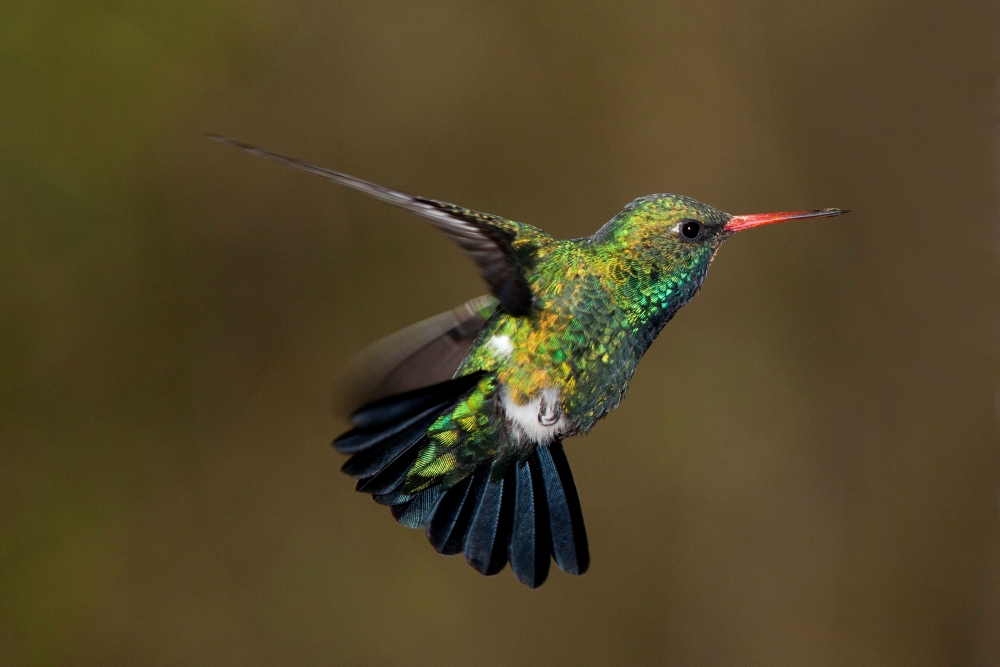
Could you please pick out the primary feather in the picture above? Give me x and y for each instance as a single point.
(500, 247)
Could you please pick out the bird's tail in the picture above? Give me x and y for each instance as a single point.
(525, 513)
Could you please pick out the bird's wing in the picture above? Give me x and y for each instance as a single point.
(500, 247)
(422, 354)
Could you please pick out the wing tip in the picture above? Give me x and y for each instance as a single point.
(232, 141)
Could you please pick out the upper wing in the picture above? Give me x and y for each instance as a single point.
(500, 247)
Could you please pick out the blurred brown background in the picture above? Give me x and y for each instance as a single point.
(805, 471)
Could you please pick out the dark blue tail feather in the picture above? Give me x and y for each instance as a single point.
(569, 537)
(486, 544)
(527, 515)
(530, 542)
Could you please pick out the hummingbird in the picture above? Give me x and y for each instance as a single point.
(465, 414)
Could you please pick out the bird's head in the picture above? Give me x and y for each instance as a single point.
(680, 235)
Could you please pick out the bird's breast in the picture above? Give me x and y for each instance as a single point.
(554, 372)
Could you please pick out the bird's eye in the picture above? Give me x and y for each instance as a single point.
(690, 229)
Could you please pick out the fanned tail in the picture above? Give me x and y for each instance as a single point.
(525, 514)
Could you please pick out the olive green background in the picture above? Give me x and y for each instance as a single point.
(805, 470)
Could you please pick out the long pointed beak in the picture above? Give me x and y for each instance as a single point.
(740, 222)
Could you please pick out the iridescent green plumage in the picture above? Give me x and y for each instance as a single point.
(477, 459)
(598, 304)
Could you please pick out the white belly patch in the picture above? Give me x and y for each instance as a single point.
(540, 420)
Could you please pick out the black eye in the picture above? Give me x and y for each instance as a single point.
(690, 229)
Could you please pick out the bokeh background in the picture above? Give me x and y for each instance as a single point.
(805, 471)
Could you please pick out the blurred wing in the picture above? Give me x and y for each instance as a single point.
(422, 354)
(497, 245)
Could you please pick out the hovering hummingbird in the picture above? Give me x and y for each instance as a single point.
(463, 434)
